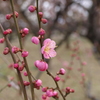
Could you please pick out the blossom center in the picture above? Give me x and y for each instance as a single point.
(47, 49)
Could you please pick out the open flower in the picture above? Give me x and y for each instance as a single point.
(48, 48)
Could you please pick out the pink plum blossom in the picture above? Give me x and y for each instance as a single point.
(48, 48)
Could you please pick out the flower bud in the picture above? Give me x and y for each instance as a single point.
(24, 54)
(16, 65)
(42, 31)
(8, 16)
(16, 14)
(25, 73)
(15, 49)
(62, 71)
(26, 83)
(57, 78)
(35, 40)
(44, 21)
(40, 14)
(20, 68)
(38, 82)
(44, 89)
(49, 93)
(25, 31)
(2, 40)
(44, 96)
(41, 65)
(31, 8)
(6, 51)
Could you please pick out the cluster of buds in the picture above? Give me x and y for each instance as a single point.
(24, 32)
(16, 66)
(6, 51)
(9, 16)
(8, 31)
(43, 20)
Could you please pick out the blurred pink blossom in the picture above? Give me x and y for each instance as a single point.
(48, 48)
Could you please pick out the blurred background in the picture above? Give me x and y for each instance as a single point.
(68, 21)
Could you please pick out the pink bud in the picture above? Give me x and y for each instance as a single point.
(31, 8)
(2, 40)
(40, 14)
(9, 85)
(49, 93)
(67, 89)
(16, 65)
(44, 96)
(25, 73)
(24, 54)
(25, 31)
(10, 66)
(62, 71)
(72, 90)
(20, 68)
(35, 40)
(44, 21)
(16, 14)
(42, 31)
(84, 63)
(6, 51)
(57, 78)
(9, 31)
(38, 82)
(83, 74)
(8, 16)
(41, 65)
(44, 89)
(15, 49)
(26, 83)
(55, 93)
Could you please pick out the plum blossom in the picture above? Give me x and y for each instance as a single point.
(48, 48)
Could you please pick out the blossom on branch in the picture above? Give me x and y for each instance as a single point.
(48, 48)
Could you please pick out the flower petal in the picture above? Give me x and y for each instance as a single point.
(46, 41)
(46, 55)
(52, 53)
